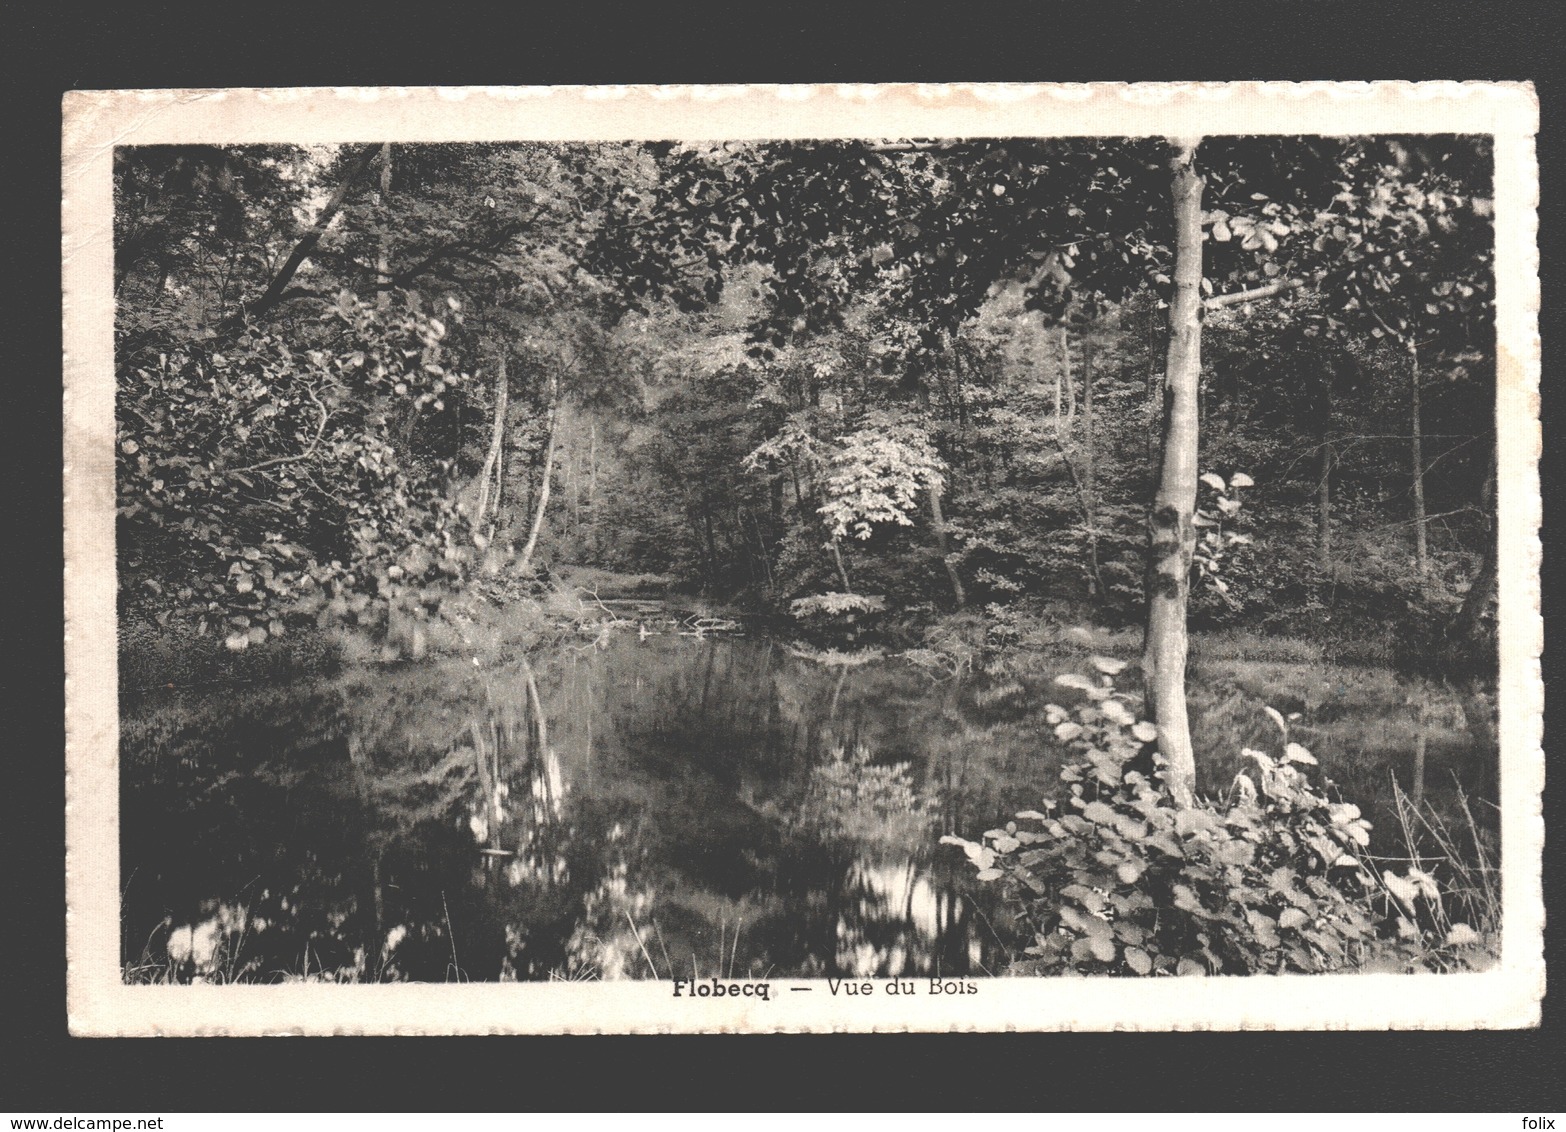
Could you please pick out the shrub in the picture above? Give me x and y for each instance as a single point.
(838, 616)
(262, 481)
(850, 799)
(1117, 879)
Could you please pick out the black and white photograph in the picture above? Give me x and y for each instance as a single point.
(944, 562)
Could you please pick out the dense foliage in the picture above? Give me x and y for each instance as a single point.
(923, 372)
(935, 390)
(1112, 877)
(260, 480)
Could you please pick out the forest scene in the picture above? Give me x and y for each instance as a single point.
(876, 557)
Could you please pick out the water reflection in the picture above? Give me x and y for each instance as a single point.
(650, 806)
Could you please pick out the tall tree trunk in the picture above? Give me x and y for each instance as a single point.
(712, 546)
(1155, 422)
(1324, 509)
(1065, 373)
(938, 525)
(497, 441)
(1417, 455)
(576, 476)
(1327, 458)
(1060, 403)
(383, 252)
(1171, 534)
(498, 508)
(1418, 794)
(938, 520)
(1481, 591)
(525, 562)
(1089, 475)
(592, 484)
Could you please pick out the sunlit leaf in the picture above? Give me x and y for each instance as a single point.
(1099, 814)
(1400, 888)
(1292, 918)
(1461, 935)
(1294, 753)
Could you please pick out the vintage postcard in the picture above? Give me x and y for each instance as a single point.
(802, 559)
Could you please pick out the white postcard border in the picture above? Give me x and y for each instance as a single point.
(95, 122)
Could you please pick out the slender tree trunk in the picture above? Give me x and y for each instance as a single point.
(576, 476)
(499, 506)
(497, 441)
(712, 547)
(1480, 594)
(383, 252)
(306, 245)
(842, 570)
(1065, 373)
(1172, 536)
(1155, 414)
(1060, 403)
(536, 702)
(1417, 454)
(938, 521)
(1089, 476)
(1079, 486)
(1324, 509)
(1418, 795)
(525, 562)
(761, 546)
(592, 485)
(1481, 591)
(938, 525)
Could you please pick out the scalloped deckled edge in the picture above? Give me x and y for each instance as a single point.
(95, 121)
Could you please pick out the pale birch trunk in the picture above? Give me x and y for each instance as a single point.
(1417, 456)
(525, 562)
(1172, 535)
(497, 441)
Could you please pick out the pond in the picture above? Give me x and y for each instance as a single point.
(655, 806)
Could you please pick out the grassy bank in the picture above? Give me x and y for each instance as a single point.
(498, 615)
(492, 618)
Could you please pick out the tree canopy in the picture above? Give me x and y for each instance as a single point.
(924, 375)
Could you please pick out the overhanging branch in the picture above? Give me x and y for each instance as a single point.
(274, 292)
(1266, 291)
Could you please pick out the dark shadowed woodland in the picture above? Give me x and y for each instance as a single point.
(875, 557)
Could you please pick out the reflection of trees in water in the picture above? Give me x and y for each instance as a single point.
(651, 806)
(573, 816)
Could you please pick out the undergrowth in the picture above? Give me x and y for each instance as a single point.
(1113, 877)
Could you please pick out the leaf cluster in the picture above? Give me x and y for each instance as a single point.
(258, 480)
(1113, 877)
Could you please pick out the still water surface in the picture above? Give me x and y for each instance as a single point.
(652, 807)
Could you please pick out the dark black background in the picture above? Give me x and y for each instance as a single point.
(50, 48)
